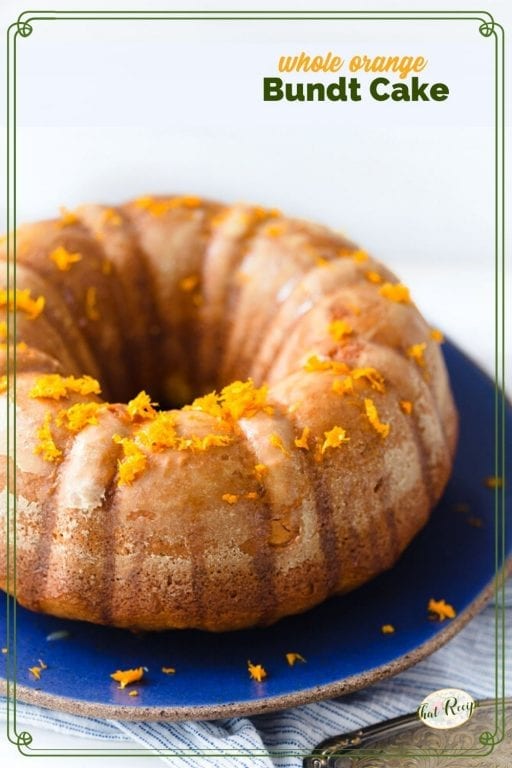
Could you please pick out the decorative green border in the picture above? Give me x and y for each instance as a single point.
(23, 27)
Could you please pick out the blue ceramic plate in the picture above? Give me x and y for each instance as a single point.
(452, 558)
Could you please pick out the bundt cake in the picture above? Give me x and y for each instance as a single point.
(223, 416)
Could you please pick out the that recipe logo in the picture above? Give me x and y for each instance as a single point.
(447, 708)
(398, 79)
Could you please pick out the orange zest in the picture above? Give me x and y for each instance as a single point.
(133, 462)
(64, 259)
(277, 441)
(78, 416)
(141, 406)
(54, 386)
(373, 277)
(127, 676)
(46, 446)
(21, 300)
(157, 207)
(343, 386)
(230, 498)
(256, 672)
(316, 364)
(436, 335)
(334, 438)
(493, 481)
(372, 376)
(302, 441)
(416, 352)
(373, 417)
(339, 329)
(395, 292)
(441, 609)
(67, 217)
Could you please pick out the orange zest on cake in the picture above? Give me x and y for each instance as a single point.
(78, 416)
(395, 292)
(302, 441)
(22, 300)
(373, 417)
(54, 386)
(46, 445)
(277, 442)
(112, 217)
(141, 407)
(343, 386)
(334, 438)
(372, 376)
(64, 259)
(436, 335)
(373, 277)
(133, 462)
(417, 353)
(231, 498)
(315, 364)
(160, 207)
(67, 217)
(339, 329)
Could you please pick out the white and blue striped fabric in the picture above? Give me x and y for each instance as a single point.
(279, 740)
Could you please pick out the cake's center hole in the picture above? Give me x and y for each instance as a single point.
(174, 390)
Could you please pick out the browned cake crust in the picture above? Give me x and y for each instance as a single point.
(248, 505)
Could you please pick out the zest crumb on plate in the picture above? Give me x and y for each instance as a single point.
(256, 671)
(293, 658)
(441, 609)
(493, 481)
(127, 676)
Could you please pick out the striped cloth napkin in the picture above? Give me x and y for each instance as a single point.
(280, 740)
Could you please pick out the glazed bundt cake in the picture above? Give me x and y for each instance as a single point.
(223, 415)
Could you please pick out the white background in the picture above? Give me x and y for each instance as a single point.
(112, 110)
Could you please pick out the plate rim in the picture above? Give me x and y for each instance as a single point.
(269, 704)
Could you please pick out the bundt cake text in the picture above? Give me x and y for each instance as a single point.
(349, 89)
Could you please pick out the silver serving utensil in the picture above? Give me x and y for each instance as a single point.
(484, 741)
